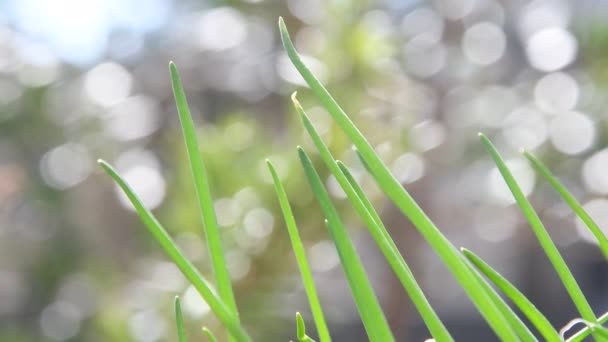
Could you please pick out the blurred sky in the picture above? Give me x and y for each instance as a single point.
(78, 31)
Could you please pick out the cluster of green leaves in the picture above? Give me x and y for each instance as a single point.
(477, 278)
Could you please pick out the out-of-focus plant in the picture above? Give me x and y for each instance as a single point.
(466, 267)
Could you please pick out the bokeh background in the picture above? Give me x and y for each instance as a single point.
(81, 80)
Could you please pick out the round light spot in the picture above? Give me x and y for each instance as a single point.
(523, 174)
(423, 21)
(595, 176)
(484, 43)
(454, 9)
(136, 117)
(259, 222)
(60, 321)
(226, 20)
(41, 67)
(79, 289)
(147, 182)
(427, 135)
(228, 211)
(65, 166)
(323, 256)
(572, 133)
(556, 92)
(310, 11)
(551, 49)
(525, 127)
(239, 135)
(424, 56)
(147, 326)
(539, 14)
(598, 210)
(289, 73)
(408, 168)
(194, 305)
(247, 197)
(238, 264)
(107, 84)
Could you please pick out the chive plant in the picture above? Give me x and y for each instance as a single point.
(476, 277)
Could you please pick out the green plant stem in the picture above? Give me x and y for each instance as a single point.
(209, 334)
(179, 321)
(371, 314)
(516, 323)
(391, 186)
(543, 237)
(205, 201)
(571, 201)
(301, 329)
(223, 313)
(378, 231)
(540, 322)
(298, 249)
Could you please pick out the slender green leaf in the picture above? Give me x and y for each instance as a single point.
(377, 230)
(209, 335)
(214, 242)
(391, 186)
(179, 321)
(298, 249)
(371, 314)
(571, 201)
(542, 235)
(516, 323)
(301, 329)
(539, 320)
(583, 333)
(223, 312)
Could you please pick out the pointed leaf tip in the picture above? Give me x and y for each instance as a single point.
(209, 334)
(301, 327)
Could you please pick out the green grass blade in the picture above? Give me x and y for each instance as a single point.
(583, 333)
(571, 201)
(542, 235)
(179, 321)
(298, 249)
(540, 322)
(371, 314)
(516, 323)
(214, 242)
(223, 312)
(301, 329)
(391, 186)
(209, 334)
(400, 267)
(377, 230)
